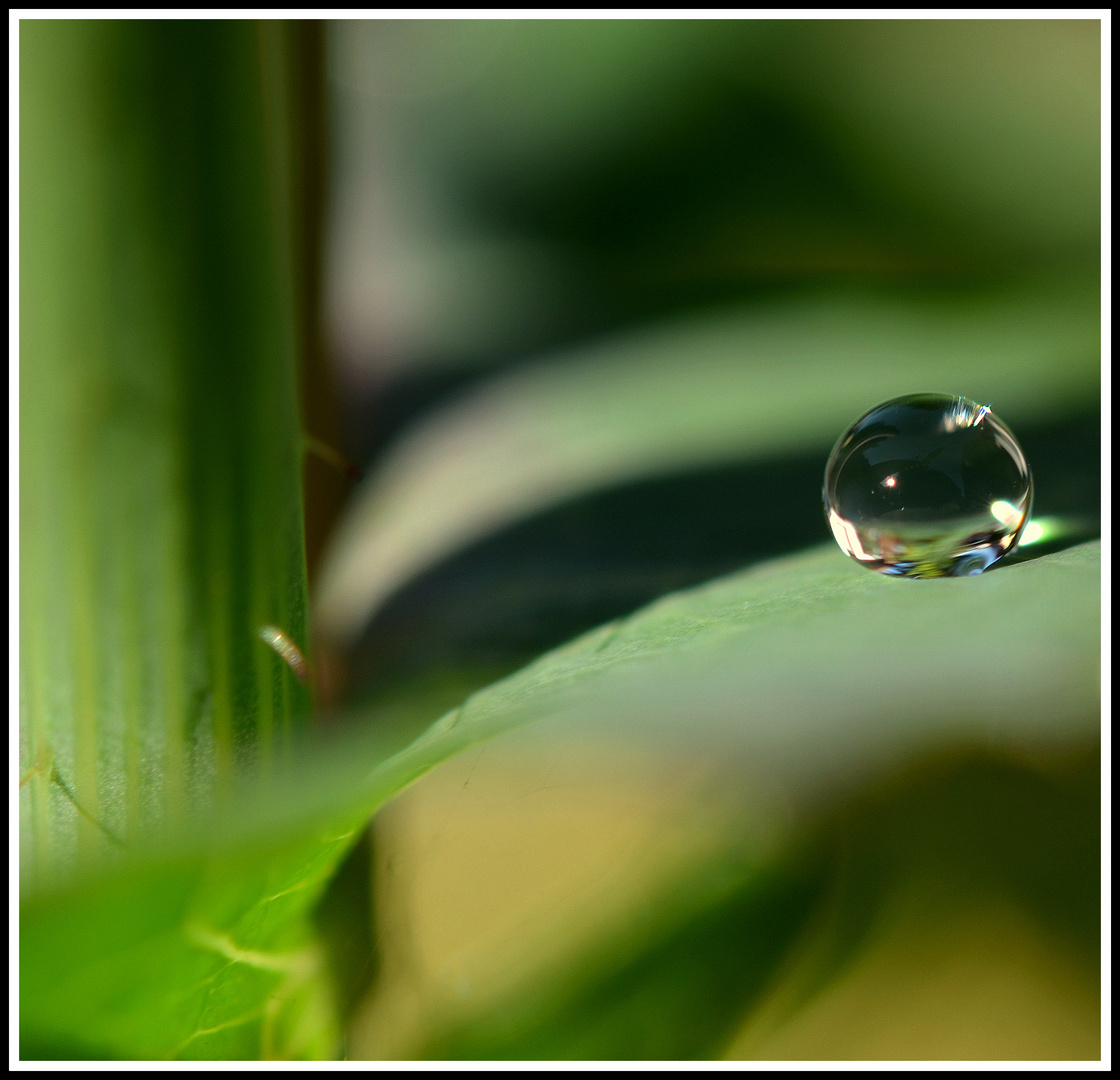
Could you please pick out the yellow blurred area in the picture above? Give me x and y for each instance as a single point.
(507, 861)
(500, 867)
(983, 983)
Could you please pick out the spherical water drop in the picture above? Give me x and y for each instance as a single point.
(927, 485)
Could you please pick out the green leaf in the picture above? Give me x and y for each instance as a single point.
(160, 516)
(809, 673)
(160, 508)
(810, 679)
(807, 678)
(160, 532)
(702, 391)
(199, 942)
(816, 671)
(179, 957)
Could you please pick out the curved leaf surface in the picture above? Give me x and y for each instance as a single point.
(815, 671)
(809, 671)
(701, 391)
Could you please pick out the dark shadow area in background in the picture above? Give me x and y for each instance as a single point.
(743, 186)
(540, 582)
(344, 920)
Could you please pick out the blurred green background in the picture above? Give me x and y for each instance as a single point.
(505, 190)
(573, 311)
(592, 191)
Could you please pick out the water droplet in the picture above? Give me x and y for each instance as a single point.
(927, 485)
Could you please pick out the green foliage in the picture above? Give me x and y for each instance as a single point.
(160, 512)
(160, 504)
(731, 657)
(775, 379)
(180, 821)
(677, 984)
(223, 933)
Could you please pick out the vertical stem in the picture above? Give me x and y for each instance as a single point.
(159, 437)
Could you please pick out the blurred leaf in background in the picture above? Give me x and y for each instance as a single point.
(599, 295)
(501, 185)
(714, 243)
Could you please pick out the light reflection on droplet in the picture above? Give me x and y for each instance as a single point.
(929, 485)
(1005, 512)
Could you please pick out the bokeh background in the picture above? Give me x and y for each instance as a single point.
(578, 309)
(616, 202)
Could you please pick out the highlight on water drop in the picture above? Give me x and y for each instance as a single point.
(928, 485)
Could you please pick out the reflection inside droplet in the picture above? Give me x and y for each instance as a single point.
(928, 485)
